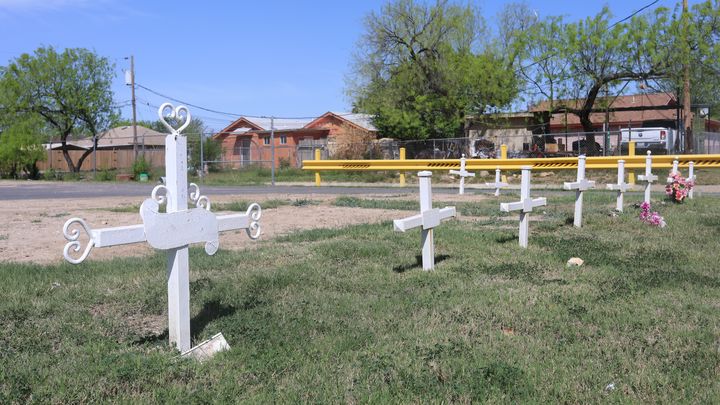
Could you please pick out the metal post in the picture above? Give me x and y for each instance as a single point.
(402, 174)
(317, 174)
(272, 150)
(201, 172)
(631, 152)
(132, 92)
(94, 156)
(503, 155)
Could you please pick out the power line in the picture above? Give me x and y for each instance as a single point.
(230, 114)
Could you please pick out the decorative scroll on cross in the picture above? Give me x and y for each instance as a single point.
(171, 231)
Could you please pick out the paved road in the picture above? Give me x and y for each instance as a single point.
(31, 190)
(43, 190)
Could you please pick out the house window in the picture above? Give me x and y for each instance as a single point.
(283, 139)
(266, 140)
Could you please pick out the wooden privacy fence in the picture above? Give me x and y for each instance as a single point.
(119, 159)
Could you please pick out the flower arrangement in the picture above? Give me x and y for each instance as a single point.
(651, 217)
(678, 188)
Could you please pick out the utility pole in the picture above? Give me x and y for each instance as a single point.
(272, 150)
(134, 113)
(687, 103)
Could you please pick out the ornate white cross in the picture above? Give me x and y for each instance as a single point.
(674, 169)
(648, 177)
(428, 219)
(172, 231)
(498, 184)
(621, 186)
(525, 206)
(691, 177)
(581, 185)
(462, 173)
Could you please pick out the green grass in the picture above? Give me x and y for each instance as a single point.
(347, 315)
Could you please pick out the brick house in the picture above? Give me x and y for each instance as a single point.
(248, 141)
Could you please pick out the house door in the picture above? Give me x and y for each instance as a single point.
(245, 152)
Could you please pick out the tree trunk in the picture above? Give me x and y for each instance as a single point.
(66, 154)
(584, 115)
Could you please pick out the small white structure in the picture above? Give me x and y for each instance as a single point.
(525, 206)
(581, 185)
(428, 219)
(674, 170)
(648, 177)
(691, 177)
(462, 173)
(497, 184)
(172, 231)
(621, 186)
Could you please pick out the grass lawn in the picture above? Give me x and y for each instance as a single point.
(347, 315)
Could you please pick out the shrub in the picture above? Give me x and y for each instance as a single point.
(140, 165)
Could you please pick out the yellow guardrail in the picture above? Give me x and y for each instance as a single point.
(632, 161)
(564, 163)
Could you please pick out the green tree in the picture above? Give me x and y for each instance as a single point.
(69, 91)
(421, 68)
(20, 146)
(569, 64)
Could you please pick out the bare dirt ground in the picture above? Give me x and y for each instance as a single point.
(32, 229)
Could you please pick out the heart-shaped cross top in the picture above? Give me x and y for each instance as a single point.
(175, 113)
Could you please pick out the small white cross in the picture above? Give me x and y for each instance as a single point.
(674, 169)
(497, 184)
(691, 177)
(648, 177)
(581, 185)
(428, 219)
(172, 231)
(462, 173)
(525, 206)
(621, 186)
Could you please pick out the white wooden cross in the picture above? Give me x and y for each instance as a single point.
(691, 177)
(497, 184)
(674, 170)
(462, 173)
(428, 219)
(648, 177)
(172, 231)
(525, 206)
(621, 186)
(581, 185)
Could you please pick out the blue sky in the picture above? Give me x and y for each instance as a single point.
(281, 58)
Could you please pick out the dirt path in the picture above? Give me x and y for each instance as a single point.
(33, 228)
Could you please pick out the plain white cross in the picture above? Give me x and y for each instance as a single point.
(428, 219)
(674, 169)
(648, 177)
(497, 184)
(462, 173)
(172, 231)
(525, 206)
(621, 186)
(691, 177)
(581, 185)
